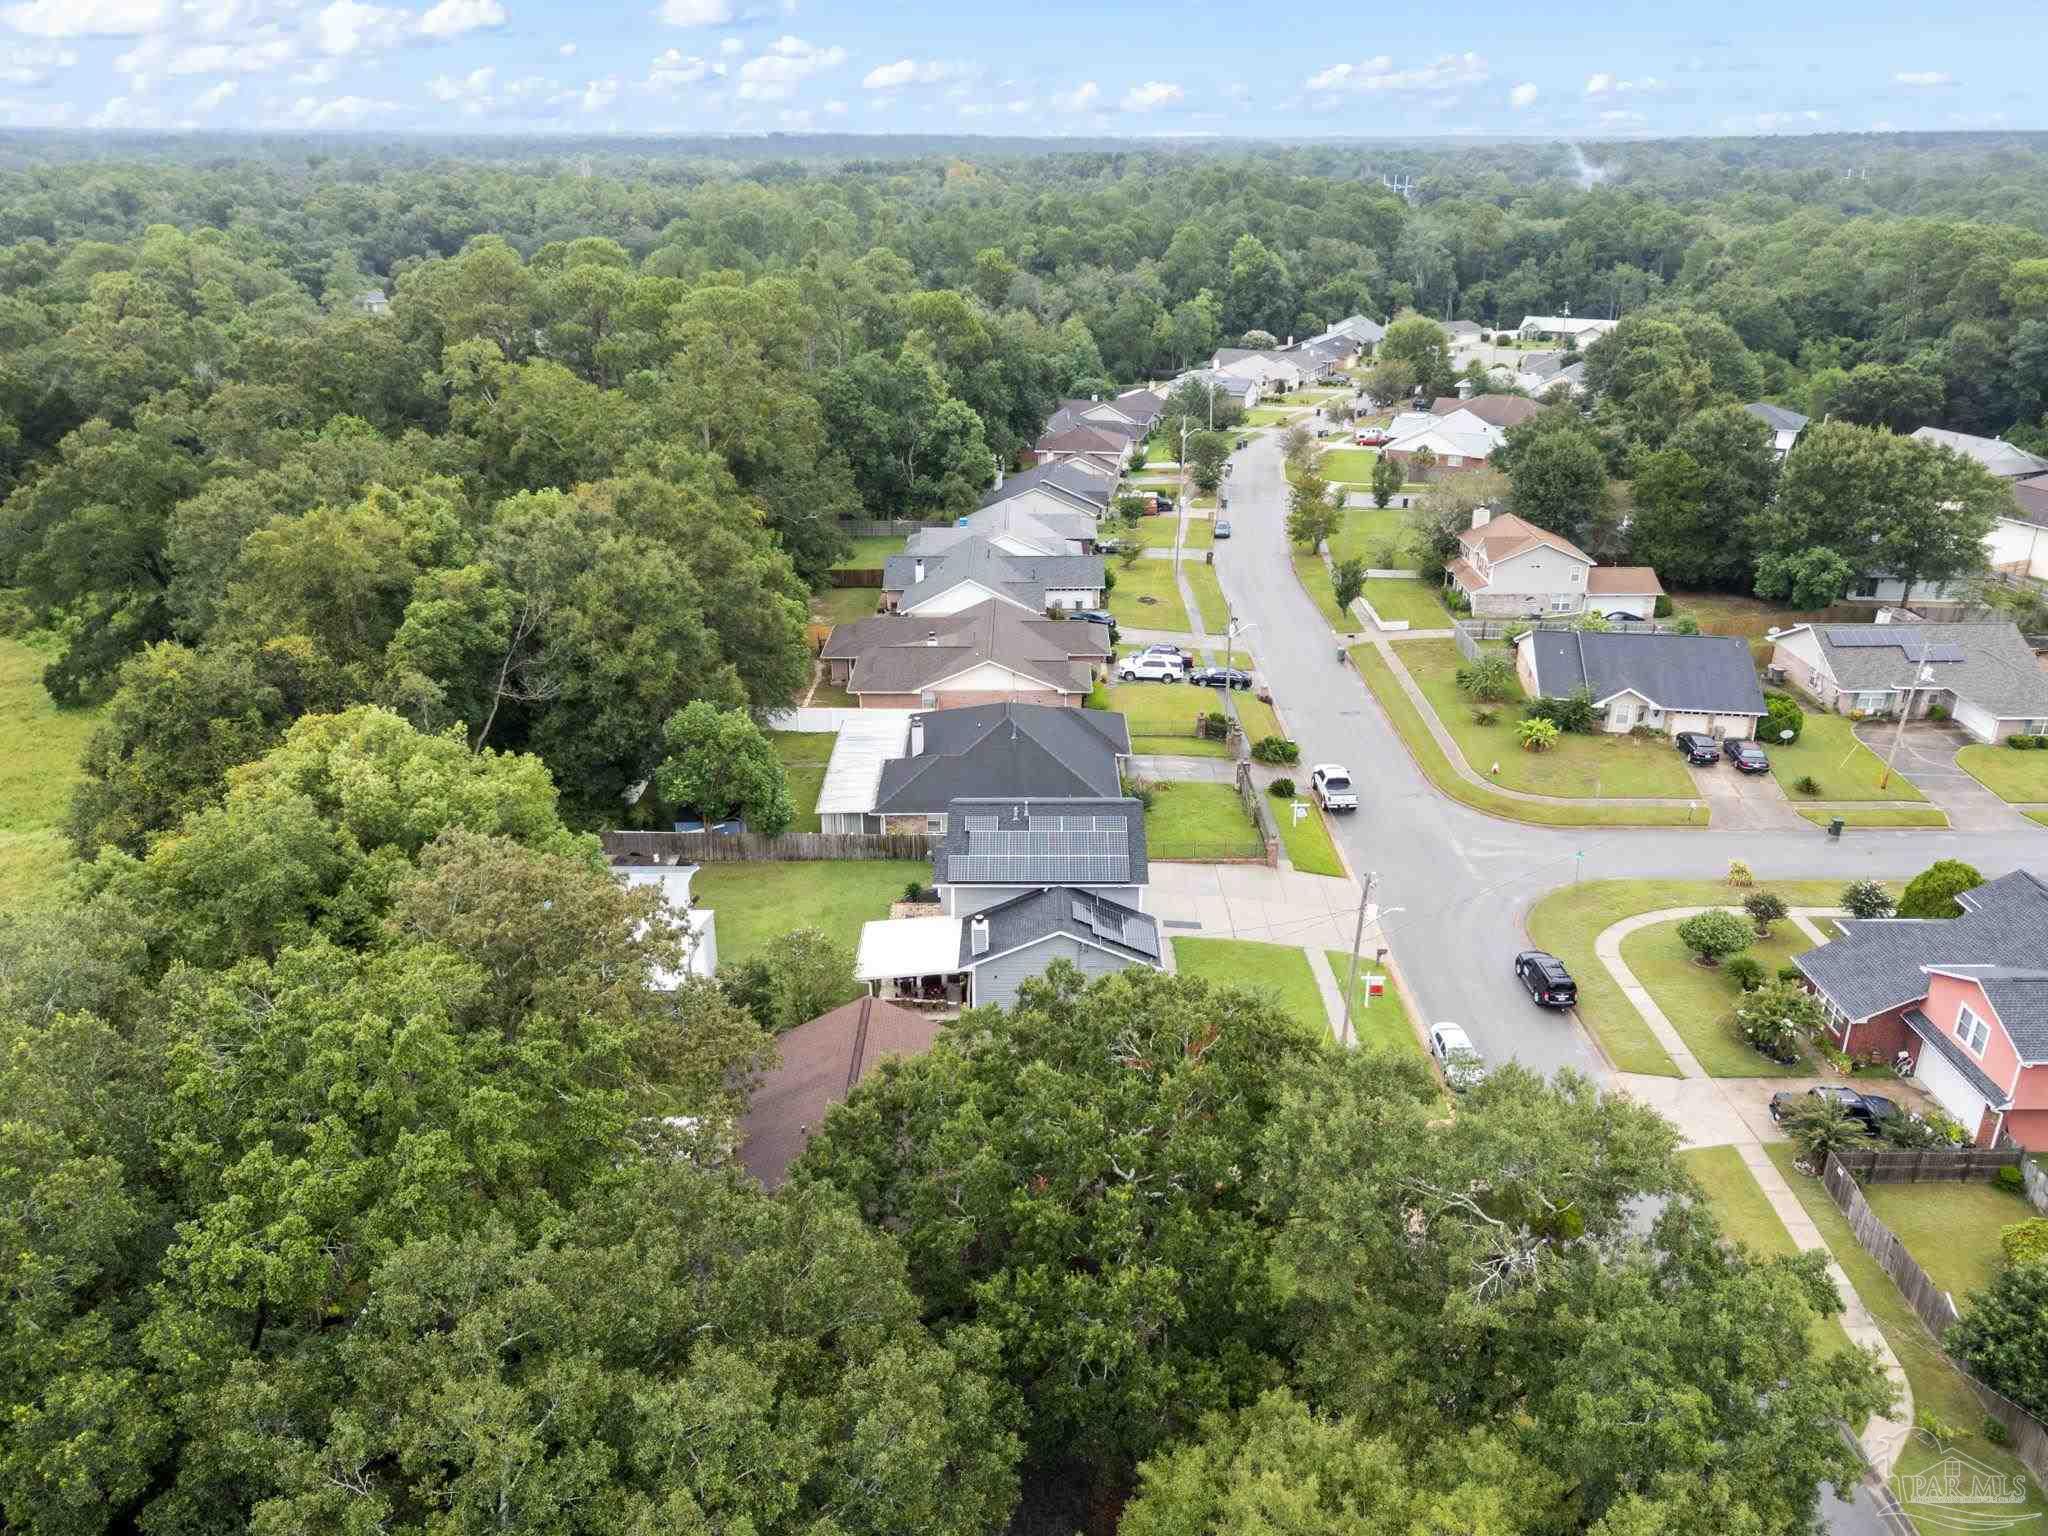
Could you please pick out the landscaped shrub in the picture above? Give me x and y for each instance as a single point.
(1573, 712)
(1806, 784)
(1216, 725)
(2011, 1180)
(1866, 898)
(1777, 1018)
(1663, 608)
(1281, 789)
(1821, 1126)
(1714, 935)
(917, 891)
(1276, 749)
(1938, 712)
(1457, 601)
(1536, 735)
(1739, 875)
(1781, 714)
(1485, 714)
(1144, 791)
(1746, 971)
(1933, 892)
(2024, 1242)
(2022, 743)
(1764, 908)
(1490, 679)
(1138, 461)
(1685, 624)
(2003, 1336)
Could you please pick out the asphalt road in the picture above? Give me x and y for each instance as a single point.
(1462, 880)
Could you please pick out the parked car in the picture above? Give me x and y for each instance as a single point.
(1546, 978)
(1747, 756)
(1096, 616)
(1221, 677)
(1371, 438)
(1463, 1066)
(1167, 648)
(1161, 505)
(1151, 669)
(1872, 1109)
(1330, 783)
(1697, 747)
(1222, 529)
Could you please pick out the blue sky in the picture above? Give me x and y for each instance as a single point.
(1048, 68)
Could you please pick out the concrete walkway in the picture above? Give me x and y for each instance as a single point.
(1708, 1114)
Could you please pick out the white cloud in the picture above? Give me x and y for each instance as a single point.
(1600, 84)
(319, 72)
(673, 68)
(596, 95)
(1019, 107)
(1379, 74)
(797, 120)
(1150, 95)
(1924, 77)
(34, 63)
(1884, 125)
(1522, 96)
(470, 92)
(1774, 122)
(1079, 99)
(696, 13)
(87, 18)
(213, 96)
(835, 109)
(344, 27)
(787, 62)
(1237, 91)
(731, 47)
(1617, 118)
(336, 112)
(889, 77)
(975, 109)
(452, 18)
(567, 50)
(1604, 84)
(158, 56)
(31, 112)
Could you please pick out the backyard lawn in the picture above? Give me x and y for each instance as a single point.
(1739, 1206)
(2010, 775)
(1199, 822)
(1280, 971)
(1938, 1390)
(842, 605)
(1365, 529)
(759, 901)
(1208, 594)
(1952, 1229)
(1315, 580)
(1381, 1023)
(826, 695)
(1827, 750)
(1429, 757)
(869, 554)
(1396, 598)
(1161, 717)
(1580, 765)
(1700, 1003)
(1569, 919)
(804, 755)
(1353, 466)
(1147, 597)
(39, 751)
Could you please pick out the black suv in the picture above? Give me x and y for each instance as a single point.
(1546, 978)
(1747, 756)
(1872, 1109)
(1697, 747)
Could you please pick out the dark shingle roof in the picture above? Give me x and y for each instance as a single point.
(1502, 411)
(1988, 664)
(1068, 841)
(1711, 673)
(2030, 501)
(906, 653)
(1083, 437)
(1025, 751)
(1024, 579)
(1776, 417)
(1878, 963)
(1075, 483)
(1037, 915)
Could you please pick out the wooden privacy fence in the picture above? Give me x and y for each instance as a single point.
(1934, 1306)
(881, 528)
(856, 576)
(1928, 1165)
(714, 848)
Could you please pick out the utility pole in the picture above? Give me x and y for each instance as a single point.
(1922, 674)
(1357, 938)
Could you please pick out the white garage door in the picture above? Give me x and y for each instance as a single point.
(1950, 1089)
(1975, 719)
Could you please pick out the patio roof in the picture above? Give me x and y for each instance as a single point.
(908, 946)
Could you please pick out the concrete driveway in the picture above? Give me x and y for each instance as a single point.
(1743, 802)
(1927, 756)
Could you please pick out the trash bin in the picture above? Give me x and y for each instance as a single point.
(1210, 559)
(1835, 827)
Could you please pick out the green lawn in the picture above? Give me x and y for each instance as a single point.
(1380, 1023)
(1938, 1390)
(1419, 602)
(1880, 818)
(1364, 529)
(2039, 816)
(1198, 822)
(1569, 919)
(869, 554)
(1951, 1229)
(1745, 1215)
(1580, 765)
(1828, 751)
(1158, 531)
(1147, 597)
(1315, 580)
(1700, 1003)
(1308, 843)
(842, 605)
(826, 696)
(1208, 594)
(1200, 533)
(1161, 717)
(2010, 775)
(1353, 466)
(1255, 715)
(758, 902)
(1280, 971)
(39, 751)
(1422, 746)
(1269, 416)
(804, 755)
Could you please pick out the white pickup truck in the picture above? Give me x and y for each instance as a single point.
(1330, 783)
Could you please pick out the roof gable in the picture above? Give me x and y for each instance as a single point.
(1010, 750)
(1706, 674)
(1083, 916)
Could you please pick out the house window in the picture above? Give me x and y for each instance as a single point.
(935, 825)
(928, 699)
(1867, 587)
(1971, 1030)
(1874, 702)
(1562, 604)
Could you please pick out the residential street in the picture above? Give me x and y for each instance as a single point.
(1462, 880)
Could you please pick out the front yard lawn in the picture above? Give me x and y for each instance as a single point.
(1396, 598)
(1365, 529)
(1315, 580)
(1307, 841)
(1381, 1023)
(1208, 594)
(1952, 1229)
(2010, 775)
(1700, 1003)
(869, 554)
(1161, 717)
(1268, 416)
(1928, 817)
(760, 901)
(1158, 530)
(1569, 919)
(1579, 766)
(1147, 597)
(804, 755)
(1827, 750)
(1280, 971)
(1353, 466)
(1744, 1214)
(1198, 822)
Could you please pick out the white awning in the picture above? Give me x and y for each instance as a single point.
(868, 738)
(908, 946)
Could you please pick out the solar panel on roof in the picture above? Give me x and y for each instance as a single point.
(1871, 637)
(982, 824)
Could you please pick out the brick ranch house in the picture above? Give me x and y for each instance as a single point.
(1965, 997)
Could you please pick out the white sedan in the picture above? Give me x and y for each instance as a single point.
(1463, 1066)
